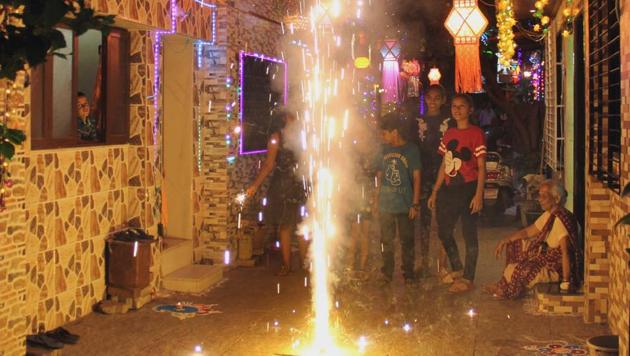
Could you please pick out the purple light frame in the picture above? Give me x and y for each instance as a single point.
(242, 55)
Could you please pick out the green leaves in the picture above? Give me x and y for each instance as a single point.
(7, 150)
(9, 138)
(39, 37)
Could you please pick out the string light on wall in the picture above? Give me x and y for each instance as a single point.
(505, 24)
(9, 138)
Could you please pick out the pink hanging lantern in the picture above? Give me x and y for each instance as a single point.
(391, 53)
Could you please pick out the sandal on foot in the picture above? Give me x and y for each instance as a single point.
(450, 277)
(461, 285)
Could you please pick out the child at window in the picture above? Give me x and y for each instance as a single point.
(86, 123)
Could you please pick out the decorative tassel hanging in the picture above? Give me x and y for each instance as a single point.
(466, 23)
(467, 69)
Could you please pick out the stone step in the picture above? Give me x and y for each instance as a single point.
(552, 301)
(177, 253)
(193, 278)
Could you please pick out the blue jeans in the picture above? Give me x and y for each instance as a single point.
(389, 222)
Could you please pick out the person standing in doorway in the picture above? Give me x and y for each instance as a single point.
(458, 190)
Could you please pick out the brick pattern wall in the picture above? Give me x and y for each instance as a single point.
(619, 312)
(596, 253)
(559, 304)
(607, 274)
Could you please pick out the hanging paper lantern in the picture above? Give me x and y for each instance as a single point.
(390, 52)
(361, 62)
(466, 23)
(434, 76)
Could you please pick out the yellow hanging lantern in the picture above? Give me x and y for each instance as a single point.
(466, 23)
(361, 62)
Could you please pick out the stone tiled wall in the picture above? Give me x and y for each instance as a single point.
(154, 13)
(12, 234)
(76, 198)
(194, 19)
(64, 203)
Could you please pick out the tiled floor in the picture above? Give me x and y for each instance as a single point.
(251, 306)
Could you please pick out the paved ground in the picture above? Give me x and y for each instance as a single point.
(257, 320)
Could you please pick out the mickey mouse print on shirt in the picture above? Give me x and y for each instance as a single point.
(460, 149)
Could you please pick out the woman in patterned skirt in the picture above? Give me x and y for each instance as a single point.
(547, 251)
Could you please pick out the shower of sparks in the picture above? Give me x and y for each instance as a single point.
(324, 120)
(362, 344)
(241, 198)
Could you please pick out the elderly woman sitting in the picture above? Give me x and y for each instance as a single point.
(547, 251)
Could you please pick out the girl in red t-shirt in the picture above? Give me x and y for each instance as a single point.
(458, 190)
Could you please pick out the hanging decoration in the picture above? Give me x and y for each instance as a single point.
(466, 23)
(539, 13)
(361, 51)
(505, 24)
(434, 76)
(391, 53)
(410, 74)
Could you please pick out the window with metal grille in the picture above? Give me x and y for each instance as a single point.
(604, 92)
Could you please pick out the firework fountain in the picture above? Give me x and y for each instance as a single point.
(324, 122)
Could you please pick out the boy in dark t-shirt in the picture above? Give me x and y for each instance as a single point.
(458, 191)
(427, 133)
(398, 173)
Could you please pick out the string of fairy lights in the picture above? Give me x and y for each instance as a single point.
(505, 25)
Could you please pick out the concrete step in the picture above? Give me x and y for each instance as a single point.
(177, 253)
(193, 278)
